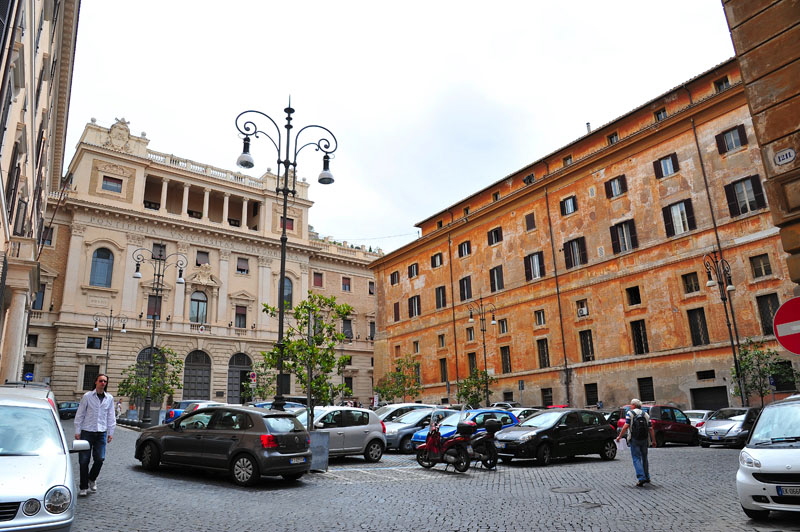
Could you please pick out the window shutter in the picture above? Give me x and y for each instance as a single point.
(634, 239)
(668, 221)
(568, 255)
(540, 258)
(733, 205)
(623, 183)
(742, 134)
(608, 188)
(433, 261)
(410, 307)
(410, 272)
(584, 258)
(493, 285)
(615, 239)
(657, 168)
(528, 267)
(562, 207)
(397, 312)
(758, 192)
(675, 165)
(721, 143)
(530, 221)
(690, 214)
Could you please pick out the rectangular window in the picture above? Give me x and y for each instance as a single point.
(112, 184)
(678, 218)
(159, 251)
(767, 307)
(464, 249)
(443, 370)
(441, 297)
(722, 84)
(706, 374)
(690, 283)
(94, 342)
(495, 235)
(534, 266)
(538, 316)
(502, 326)
(547, 396)
(495, 196)
(567, 160)
(436, 260)
(731, 139)
(347, 328)
(318, 279)
(587, 347)
(371, 288)
(153, 307)
(413, 270)
(240, 318)
(568, 205)
(784, 381)
(397, 312)
(439, 224)
(202, 258)
(371, 330)
(33, 340)
(505, 358)
(472, 362)
(616, 187)
(47, 236)
(394, 278)
(345, 284)
(496, 278)
(90, 373)
(590, 389)
(413, 306)
(582, 308)
(575, 253)
(639, 335)
(415, 346)
(441, 340)
(38, 300)
(623, 236)
(530, 221)
(465, 211)
(646, 390)
(697, 326)
(760, 266)
(613, 138)
(660, 115)
(666, 166)
(544, 353)
(634, 296)
(242, 265)
(745, 195)
(470, 334)
(287, 223)
(465, 288)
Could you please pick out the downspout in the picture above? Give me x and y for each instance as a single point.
(558, 296)
(453, 302)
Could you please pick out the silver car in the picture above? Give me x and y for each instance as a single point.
(38, 487)
(352, 430)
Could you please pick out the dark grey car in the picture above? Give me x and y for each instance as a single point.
(247, 442)
(728, 426)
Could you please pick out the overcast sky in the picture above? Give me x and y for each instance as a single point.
(430, 100)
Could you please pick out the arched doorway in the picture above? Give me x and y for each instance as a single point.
(197, 376)
(239, 368)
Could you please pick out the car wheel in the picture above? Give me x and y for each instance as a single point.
(660, 440)
(506, 459)
(758, 515)
(462, 460)
(543, 454)
(244, 470)
(150, 456)
(406, 446)
(293, 477)
(609, 450)
(705, 445)
(374, 451)
(422, 458)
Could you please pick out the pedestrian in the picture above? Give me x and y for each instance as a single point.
(637, 422)
(118, 409)
(95, 423)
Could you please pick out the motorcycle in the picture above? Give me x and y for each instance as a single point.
(483, 447)
(455, 450)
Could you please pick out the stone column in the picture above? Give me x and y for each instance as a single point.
(14, 338)
(244, 213)
(224, 265)
(185, 205)
(206, 192)
(264, 279)
(162, 208)
(75, 265)
(225, 202)
(261, 217)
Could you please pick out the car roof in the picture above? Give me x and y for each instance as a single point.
(8, 398)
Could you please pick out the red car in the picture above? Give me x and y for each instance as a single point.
(670, 424)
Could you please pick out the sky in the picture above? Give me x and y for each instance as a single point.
(430, 101)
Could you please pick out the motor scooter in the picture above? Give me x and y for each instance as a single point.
(455, 450)
(483, 447)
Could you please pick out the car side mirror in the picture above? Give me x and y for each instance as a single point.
(80, 445)
(319, 425)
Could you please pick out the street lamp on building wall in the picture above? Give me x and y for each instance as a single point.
(285, 186)
(719, 274)
(481, 310)
(110, 322)
(160, 262)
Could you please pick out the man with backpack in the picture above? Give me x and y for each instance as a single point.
(642, 435)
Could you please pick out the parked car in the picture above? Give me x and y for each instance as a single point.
(246, 442)
(37, 487)
(31, 389)
(670, 424)
(728, 426)
(767, 478)
(352, 430)
(177, 409)
(290, 405)
(506, 405)
(478, 416)
(196, 405)
(67, 410)
(400, 431)
(612, 418)
(523, 413)
(558, 433)
(698, 417)
(391, 412)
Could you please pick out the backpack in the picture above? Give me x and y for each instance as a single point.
(640, 428)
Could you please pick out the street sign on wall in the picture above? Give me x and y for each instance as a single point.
(786, 325)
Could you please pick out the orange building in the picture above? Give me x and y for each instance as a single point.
(588, 265)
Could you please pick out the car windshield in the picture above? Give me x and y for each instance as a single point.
(382, 410)
(776, 422)
(729, 413)
(543, 419)
(453, 420)
(282, 424)
(26, 431)
(413, 417)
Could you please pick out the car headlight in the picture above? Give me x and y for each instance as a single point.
(701, 431)
(735, 430)
(31, 507)
(528, 436)
(57, 500)
(748, 461)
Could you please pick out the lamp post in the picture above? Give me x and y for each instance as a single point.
(285, 186)
(719, 274)
(110, 322)
(160, 262)
(482, 310)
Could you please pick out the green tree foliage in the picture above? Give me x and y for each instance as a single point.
(472, 390)
(403, 382)
(167, 367)
(757, 364)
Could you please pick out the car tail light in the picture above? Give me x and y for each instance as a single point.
(700, 424)
(383, 427)
(268, 441)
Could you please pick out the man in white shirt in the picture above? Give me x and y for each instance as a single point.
(94, 422)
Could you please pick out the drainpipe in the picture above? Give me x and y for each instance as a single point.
(453, 302)
(558, 296)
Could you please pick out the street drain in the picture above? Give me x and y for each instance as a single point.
(568, 489)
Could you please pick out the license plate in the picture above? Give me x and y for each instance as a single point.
(500, 445)
(716, 437)
(788, 490)
(299, 460)
(469, 449)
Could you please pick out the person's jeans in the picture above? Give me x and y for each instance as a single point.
(97, 452)
(639, 456)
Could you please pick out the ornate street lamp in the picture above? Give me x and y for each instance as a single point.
(327, 144)
(481, 311)
(110, 322)
(719, 274)
(160, 263)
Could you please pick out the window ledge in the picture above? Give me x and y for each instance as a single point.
(85, 289)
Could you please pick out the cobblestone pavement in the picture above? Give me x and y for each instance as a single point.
(692, 488)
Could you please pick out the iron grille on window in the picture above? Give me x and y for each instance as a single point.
(697, 326)
(587, 347)
(544, 353)
(646, 390)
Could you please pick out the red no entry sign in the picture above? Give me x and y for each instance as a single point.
(786, 325)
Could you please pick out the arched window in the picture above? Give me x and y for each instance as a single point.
(197, 307)
(102, 266)
(287, 293)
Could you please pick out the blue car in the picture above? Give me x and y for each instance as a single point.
(480, 416)
(177, 410)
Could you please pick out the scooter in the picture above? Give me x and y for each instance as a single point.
(483, 447)
(455, 450)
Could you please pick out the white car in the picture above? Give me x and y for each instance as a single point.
(698, 417)
(769, 464)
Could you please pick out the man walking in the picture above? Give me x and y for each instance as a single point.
(94, 422)
(642, 436)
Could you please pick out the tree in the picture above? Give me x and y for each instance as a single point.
(472, 390)
(165, 379)
(757, 365)
(402, 382)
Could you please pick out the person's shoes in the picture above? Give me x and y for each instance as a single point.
(640, 483)
(646, 481)
(93, 486)
(83, 493)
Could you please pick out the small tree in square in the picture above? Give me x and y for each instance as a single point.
(165, 379)
(403, 382)
(472, 390)
(757, 364)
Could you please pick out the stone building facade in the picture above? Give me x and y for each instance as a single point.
(588, 264)
(123, 197)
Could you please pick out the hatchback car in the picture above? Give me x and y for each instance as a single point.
(767, 478)
(352, 430)
(669, 423)
(37, 487)
(558, 433)
(391, 412)
(68, 409)
(479, 416)
(728, 426)
(246, 442)
(506, 405)
(400, 431)
(523, 413)
(698, 417)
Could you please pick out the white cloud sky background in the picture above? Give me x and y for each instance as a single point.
(430, 101)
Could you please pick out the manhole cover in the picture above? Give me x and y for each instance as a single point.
(587, 505)
(568, 489)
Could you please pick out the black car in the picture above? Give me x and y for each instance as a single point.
(561, 432)
(67, 410)
(247, 442)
